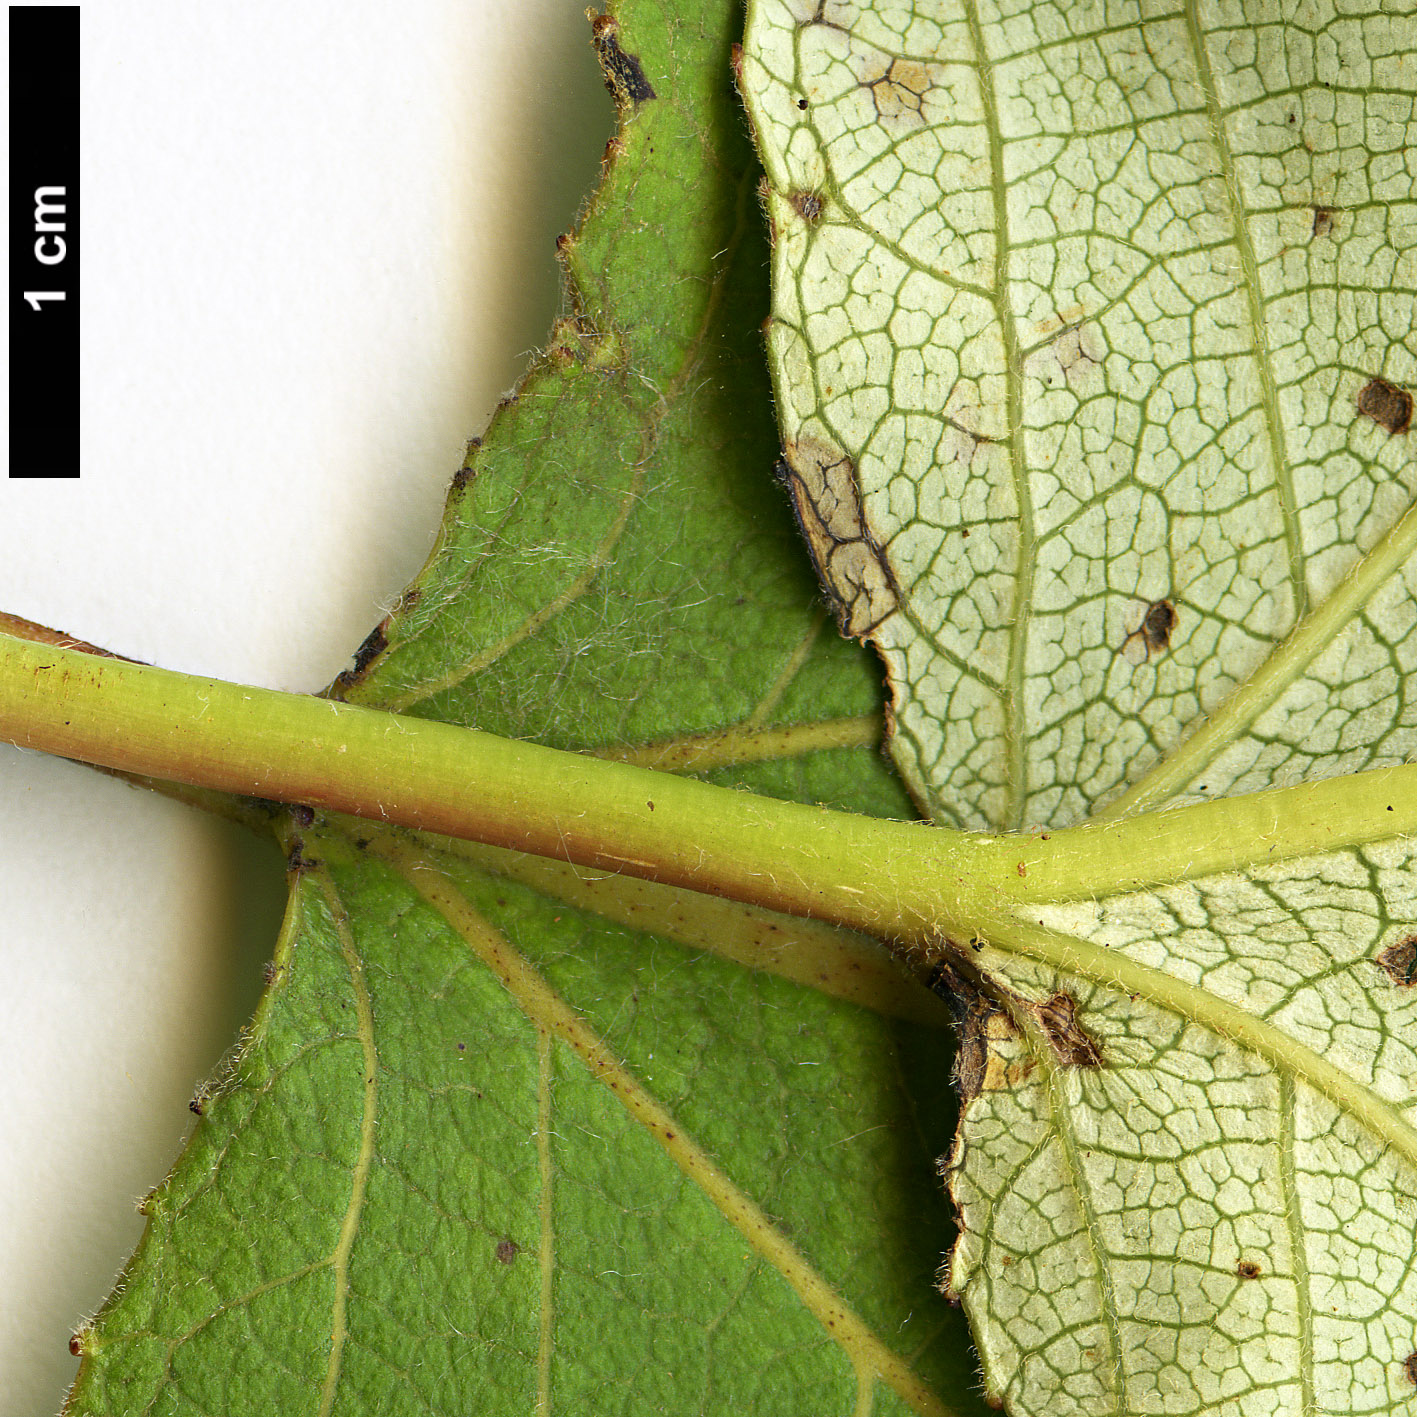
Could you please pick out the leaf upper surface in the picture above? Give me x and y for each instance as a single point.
(484, 1148)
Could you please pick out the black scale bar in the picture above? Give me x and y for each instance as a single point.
(44, 240)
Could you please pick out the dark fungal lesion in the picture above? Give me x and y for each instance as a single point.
(1058, 1022)
(1399, 961)
(624, 75)
(807, 205)
(1153, 633)
(850, 564)
(983, 1028)
(375, 643)
(1386, 404)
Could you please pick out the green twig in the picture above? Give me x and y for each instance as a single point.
(899, 880)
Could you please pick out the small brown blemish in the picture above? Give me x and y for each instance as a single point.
(1323, 220)
(1409, 1368)
(1247, 1269)
(302, 815)
(1153, 635)
(624, 76)
(899, 89)
(827, 501)
(461, 478)
(1399, 961)
(981, 1025)
(375, 643)
(1071, 358)
(507, 1251)
(807, 205)
(802, 104)
(1386, 405)
(1057, 1018)
(1158, 623)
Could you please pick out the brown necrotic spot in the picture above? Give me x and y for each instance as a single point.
(375, 643)
(1399, 961)
(898, 89)
(1247, 1269)
(1323, 221)
(1153, 634)
(983, 1061)
(827, 501)
(1409, 1368)
(1386, 405)
(1057, 1019)
(623, 75)
(507, 1251)
(807, 205)
(1158, 623)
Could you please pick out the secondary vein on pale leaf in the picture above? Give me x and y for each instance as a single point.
(1073, 1169)
(1259, 338)
(1118, 970)
(545, 1008)
(1310, 637)
(1016, 768)
(1289, 1183)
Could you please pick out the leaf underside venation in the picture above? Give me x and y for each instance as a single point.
(1101, 323)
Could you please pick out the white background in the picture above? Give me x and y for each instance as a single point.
(317, 245)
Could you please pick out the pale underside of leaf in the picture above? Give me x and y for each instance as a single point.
(1091, 304)
(1219, 1217)
(1110, 318)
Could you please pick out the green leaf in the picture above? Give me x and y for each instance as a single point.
(652, 1177)
(1092, 339)
(503, 1136)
